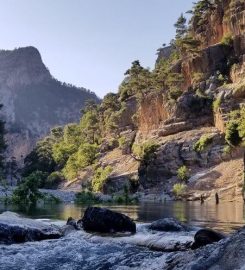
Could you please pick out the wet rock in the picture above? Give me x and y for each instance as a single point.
(205, 237)
(16, 229)
(66, 229)
(72, 222)
(103, 220)
(168, 225)
(226, 254)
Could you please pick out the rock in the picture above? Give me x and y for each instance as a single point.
(226, 254)
(72, 222)
(205, 237)
(168, 225)
(103, 220)
(17, 229)
(66, 229)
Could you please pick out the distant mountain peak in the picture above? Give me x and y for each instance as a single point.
(22, 66)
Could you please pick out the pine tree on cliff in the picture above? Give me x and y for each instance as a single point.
(181, 27)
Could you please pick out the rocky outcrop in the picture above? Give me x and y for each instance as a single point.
(178, 150)
(33, 100)
(103, 220)
(16, 229)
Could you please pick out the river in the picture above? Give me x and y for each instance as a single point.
(84, 251)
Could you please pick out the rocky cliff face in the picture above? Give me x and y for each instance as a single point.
(33, 100)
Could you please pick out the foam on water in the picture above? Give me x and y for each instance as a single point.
(81, 250)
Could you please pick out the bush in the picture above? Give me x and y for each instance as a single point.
(100, 177)
(232, 134)
(227, 39)
(179, 189)
(86, 197)
(174, 93)
(53, 180)
(227, 150)
(182, 173)
(216, 104)
(27, 192)
(202, 143)
(145, 151)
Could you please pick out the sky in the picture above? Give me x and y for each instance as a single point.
(90, 43)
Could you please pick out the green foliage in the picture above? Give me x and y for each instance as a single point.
(202, 143)
(145, 151)
(227, 149)
(100, 177)
(235, 128)
(122, 142)
(227, 39)
(216, 104)
(27, 192)
(84, 157)
(138, 80)
(86, 197)
(174, 93)
(53, 180)
(181, 27)
(182, 173)
(40, 158)
(198, 77)
(179, 189)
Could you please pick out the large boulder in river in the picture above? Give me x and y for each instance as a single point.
(103, 220)
(205, 237)
(17, 229)
(168, 225)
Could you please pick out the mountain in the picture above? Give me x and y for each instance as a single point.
(33, 100)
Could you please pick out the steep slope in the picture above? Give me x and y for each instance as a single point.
(169, 131)
(33, 100)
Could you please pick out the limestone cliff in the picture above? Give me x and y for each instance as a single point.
(33, 100)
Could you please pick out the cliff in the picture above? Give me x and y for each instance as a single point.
(33, 100)
(170, 131)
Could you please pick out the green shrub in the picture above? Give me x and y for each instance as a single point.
(182, 173)
(227, 149)
(53, 180)
(86, 197)
(100, 177)
(216, 104)
(122, 142)
(227, 39)
(198, 77)
(202, 143)
(179, 189)
(232, 134)
(174, 93)
(145, 151)
(27, 192)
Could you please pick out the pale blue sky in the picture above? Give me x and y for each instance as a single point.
(90, 43)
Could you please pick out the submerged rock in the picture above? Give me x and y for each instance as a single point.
(103, 220)
(168, 225)
(205, 237)
(17, 229)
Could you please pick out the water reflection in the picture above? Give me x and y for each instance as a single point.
(225, 216)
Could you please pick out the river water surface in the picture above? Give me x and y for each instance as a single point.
(83, 251)
(224, 216)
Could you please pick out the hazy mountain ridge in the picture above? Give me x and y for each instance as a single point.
(33, 100)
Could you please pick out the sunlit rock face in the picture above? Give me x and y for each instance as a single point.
(33, 100)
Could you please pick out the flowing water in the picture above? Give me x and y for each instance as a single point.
(81, 250)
